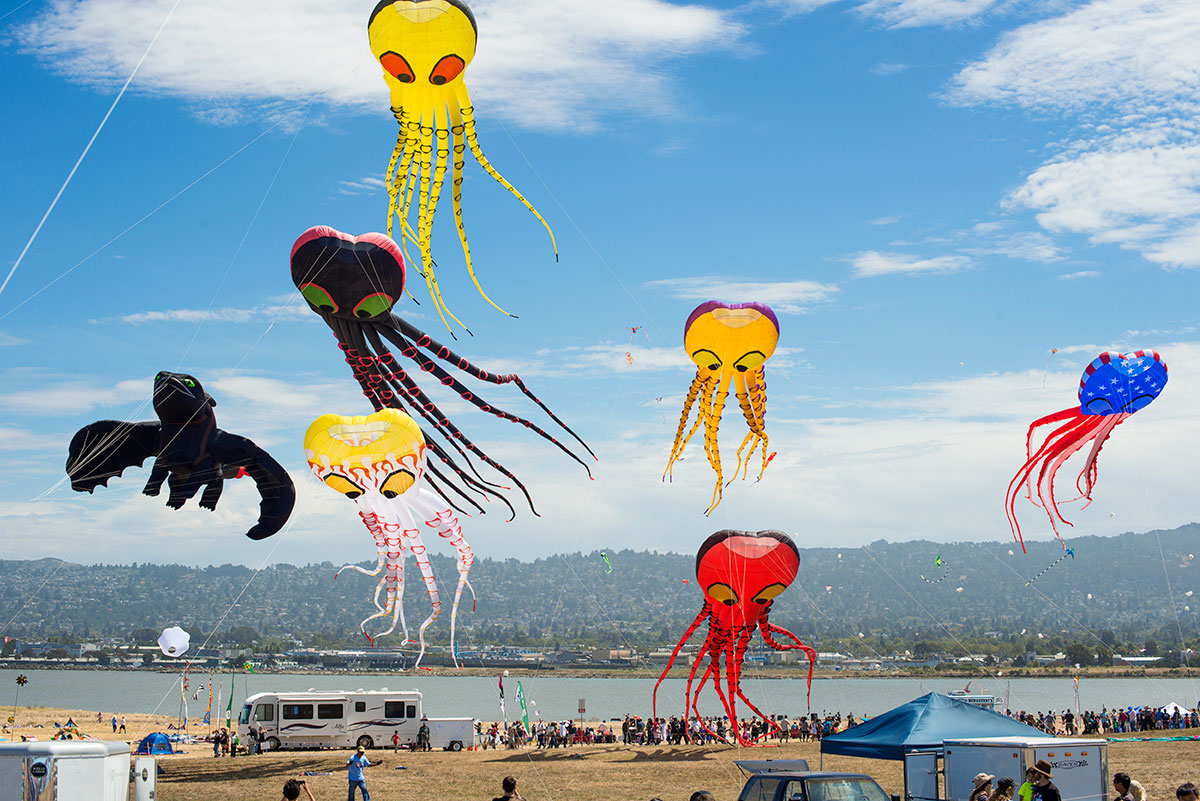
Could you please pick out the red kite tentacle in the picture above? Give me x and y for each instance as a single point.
(704, 612)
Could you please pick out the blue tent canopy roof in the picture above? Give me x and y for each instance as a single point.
(156, 743)
(922, 724)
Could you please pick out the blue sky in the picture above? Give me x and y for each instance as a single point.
(931, 193)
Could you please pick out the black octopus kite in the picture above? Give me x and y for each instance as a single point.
(189, 452)
(353, 282)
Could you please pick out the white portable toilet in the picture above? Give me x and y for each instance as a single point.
(58, 770)
(145, 778)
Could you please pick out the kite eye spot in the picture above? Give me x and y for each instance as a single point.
(344, 486)
(397, 483)
(446, 70)
(374, 305)
(396, 66)
(189, 382)
(318, 298)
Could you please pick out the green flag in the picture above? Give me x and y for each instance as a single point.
(524, 711)
(229, 709)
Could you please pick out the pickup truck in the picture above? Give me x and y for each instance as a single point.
(805, 785)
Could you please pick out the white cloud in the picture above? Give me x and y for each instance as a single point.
(873, 263)
(884, 68)
(73, 397)
(1024, 245)
(1139, 53)
(1080, 274)
(364, 186)
(886, 220)
(20, 439)
(539, 62)
(1122, 191)
(1134, 179)
(784, 297)
(296, 310)
(8, 340)
(919, 13)
(919, 465)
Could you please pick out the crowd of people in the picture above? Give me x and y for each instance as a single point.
(1116, 721)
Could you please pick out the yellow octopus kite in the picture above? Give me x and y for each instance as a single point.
(424, 46)
(729, 344)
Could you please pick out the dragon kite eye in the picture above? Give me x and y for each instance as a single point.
(318, 298)
(395, 65)
(446, 70)
(189, 382)
(397, 483)
(374, 305)
(344, 486)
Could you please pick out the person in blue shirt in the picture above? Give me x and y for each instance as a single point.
(354, 773)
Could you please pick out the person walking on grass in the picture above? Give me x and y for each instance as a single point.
(354, 773)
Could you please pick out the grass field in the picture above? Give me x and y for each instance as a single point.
(589, 773)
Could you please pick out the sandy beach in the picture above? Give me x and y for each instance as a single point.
(565, 774)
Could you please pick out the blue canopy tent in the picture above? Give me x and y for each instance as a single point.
(922, 725)
(156, 743)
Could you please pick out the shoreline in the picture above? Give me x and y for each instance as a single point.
(643, 672)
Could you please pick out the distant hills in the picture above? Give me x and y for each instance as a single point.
(1122, 594)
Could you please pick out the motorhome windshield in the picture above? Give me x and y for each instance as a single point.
(245, 716)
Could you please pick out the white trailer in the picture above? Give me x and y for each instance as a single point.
(97, 770)
(1080, 766)
(344, 718)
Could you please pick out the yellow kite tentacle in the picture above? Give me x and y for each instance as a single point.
(758, 402)
(468, 113)
(392, 187)
(699, 388)
(712, 424)
(753, 437)
(399, 184)
(459, 130)
(425, 222)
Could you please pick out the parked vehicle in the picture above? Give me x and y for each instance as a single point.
(343, 719)
(767, 782)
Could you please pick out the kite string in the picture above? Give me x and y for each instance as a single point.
(300, 503)
(88, 147)
(612, 273)
(144, 217)
(249, 227)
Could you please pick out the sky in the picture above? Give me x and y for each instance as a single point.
(931, 194)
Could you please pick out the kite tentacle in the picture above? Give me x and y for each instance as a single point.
(699, 621)
(468, 119)
(375, 387)
(427, 364)
(1090, 470)
(421, 339)
(769, 629)
(698, 387)
(712, 422)
(448, 528)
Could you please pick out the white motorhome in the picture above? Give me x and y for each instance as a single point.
(343, 719)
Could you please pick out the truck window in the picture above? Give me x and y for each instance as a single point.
(412, 710)
(297, 712)
(794, 791)
(329, 711)
(760, 789)
(847, 789)
(245, 716)
(393, 709)
(264, 713)
(360, 706)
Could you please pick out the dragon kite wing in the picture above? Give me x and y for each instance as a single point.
(104, 449)
(274, 484)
